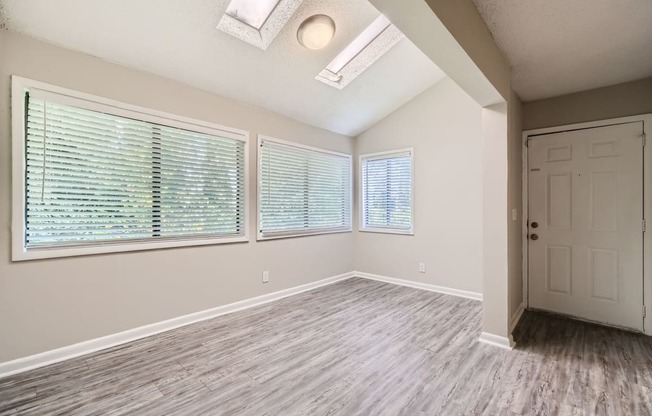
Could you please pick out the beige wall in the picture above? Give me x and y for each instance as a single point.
(495, 216)
(454, 36)
(443, 125)
(515, 201)
(628, 99)
(47, 304)
(50, 303)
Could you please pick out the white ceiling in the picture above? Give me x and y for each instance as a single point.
(178, 39)
(558, 47)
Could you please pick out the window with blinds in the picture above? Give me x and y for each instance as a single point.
(98, 175)
(386, 182)
(302, 190)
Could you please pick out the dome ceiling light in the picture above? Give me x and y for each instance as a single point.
(316, 31)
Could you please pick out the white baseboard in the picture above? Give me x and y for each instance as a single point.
(60, 354)
(516, 317)
(422, 286)
(86, 347)
(504, 342)
(496, 340)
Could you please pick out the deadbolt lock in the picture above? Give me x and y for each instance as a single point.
(535, 225)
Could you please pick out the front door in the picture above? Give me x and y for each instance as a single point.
(585, 224)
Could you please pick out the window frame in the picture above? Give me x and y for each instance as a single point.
(384, 155)
(259, 234)
(19, 86)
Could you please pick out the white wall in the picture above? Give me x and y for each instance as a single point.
(47, 304)
(444, 126)
(515, 202)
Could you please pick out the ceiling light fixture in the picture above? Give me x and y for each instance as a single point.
(316, 31)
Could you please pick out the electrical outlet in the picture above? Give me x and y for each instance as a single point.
(422, 267)
(265, 276)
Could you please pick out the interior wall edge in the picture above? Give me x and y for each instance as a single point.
(516, 317)
(496, 341)
(422, 286)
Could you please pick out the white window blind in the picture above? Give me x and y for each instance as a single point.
(98, 178)
(302, 190)
(387, 191)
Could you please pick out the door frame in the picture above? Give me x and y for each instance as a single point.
(646, 119)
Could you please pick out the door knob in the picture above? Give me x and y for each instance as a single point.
(534, 237)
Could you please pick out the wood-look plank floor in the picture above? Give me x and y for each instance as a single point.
(357, 347)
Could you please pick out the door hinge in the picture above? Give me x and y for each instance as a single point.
(644, 139)
(644, 311)
(644, 225)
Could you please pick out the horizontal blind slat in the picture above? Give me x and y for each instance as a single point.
(302, 191)
(125, 156)
(97, 121)
(93, 178)
(387, 191)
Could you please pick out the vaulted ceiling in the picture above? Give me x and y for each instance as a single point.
(179, 40)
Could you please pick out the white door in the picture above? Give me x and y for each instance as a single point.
(585, 224)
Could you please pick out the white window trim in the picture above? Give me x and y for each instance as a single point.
(306, 233)
(19, 252)
(381, 155)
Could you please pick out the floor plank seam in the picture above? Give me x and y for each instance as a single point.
(407, 353)
(159, 390)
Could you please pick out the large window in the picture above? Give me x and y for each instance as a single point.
(386, 182)
(302, 190)
(99, 176)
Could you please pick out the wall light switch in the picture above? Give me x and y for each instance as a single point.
(422, 267)
(514, 214)
(265, 276)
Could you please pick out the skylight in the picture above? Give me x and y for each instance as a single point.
(378, 38)
(252, 12)
(257, 22)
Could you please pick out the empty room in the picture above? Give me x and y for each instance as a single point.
(343, 207)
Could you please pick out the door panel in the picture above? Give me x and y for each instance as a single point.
(585, 202)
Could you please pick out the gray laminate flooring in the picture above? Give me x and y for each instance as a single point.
(358, 347)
